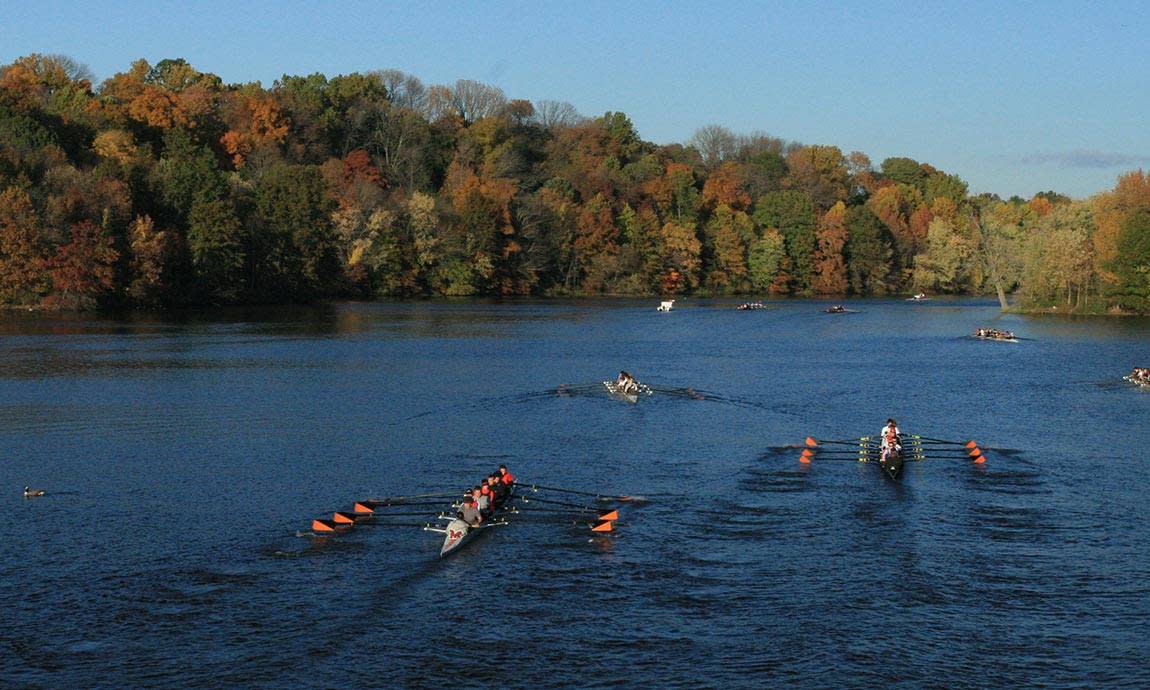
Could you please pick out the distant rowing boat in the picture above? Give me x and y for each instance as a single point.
(992, 334)
(920, 297)
(630, 394)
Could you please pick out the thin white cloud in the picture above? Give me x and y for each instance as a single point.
(1084, 158)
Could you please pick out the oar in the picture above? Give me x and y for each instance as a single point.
(372, 506)
(556, 512)
(813, 443)
(533, 499)
(399, 499)
(366, 516)
(537, 487)
(968, 444)
(581, 508)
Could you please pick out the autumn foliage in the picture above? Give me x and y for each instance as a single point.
(162, 185)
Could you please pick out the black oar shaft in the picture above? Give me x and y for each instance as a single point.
(533, 499)
(569, 491)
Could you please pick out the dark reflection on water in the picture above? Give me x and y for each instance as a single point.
(184, 453)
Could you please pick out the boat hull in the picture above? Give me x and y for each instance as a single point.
(615, 391)
(892, 464)
(457, 533)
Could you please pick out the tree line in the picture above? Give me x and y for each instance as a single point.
(163, 186)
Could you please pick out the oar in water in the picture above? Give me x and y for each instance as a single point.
(815, 443)
(402, 499)
(370, 507)
(549, 501)
(600, 515)
(607, 497)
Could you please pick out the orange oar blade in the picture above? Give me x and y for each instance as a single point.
(980, 459)
(613, 515)
(971, 444)
(363, 509)
(318, 525)
(805, 459)
(811, 442)
(807, 453)
(604, 526)
(343, 518)
(975, 453)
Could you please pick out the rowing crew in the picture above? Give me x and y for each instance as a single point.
(890, 436)
(836, 309)
(994, 333)
(480, 502)
(746, 306)
(1140, 375)
(627, 383)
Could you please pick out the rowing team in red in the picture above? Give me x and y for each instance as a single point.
(994, 333)
(890, 436)
(1140, 374)
(480, 502)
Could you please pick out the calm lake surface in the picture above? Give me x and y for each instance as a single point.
(183, 455)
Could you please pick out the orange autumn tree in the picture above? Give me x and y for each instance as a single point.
(254, 121)
(1111, 209)
(83, 269)
(830, 276)
(724, 186)
(21, 276)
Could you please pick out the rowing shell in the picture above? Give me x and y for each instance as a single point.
(1137, 381)
(892, 463)
(631, 396)
(457, 533)
(1001, 340)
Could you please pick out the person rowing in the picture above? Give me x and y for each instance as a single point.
(626, 382)
(505, 476)
(469, 512)
(890, 438)
(837, 309)
(498, 490)
(482, 501)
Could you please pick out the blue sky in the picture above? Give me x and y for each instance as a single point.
(1015, 98)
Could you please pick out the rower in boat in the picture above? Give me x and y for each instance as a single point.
(505, 476)
(482, 502)
(469, 512)
(626, 383)
(498, 489)
(836, 309)
(890, 437)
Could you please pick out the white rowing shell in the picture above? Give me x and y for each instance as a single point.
(455, 534)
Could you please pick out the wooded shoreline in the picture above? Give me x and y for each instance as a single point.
(164, 187)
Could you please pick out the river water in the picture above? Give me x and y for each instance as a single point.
(185, 455)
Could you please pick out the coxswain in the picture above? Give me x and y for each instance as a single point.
(890, 434)
(469, 512)
(505, 476)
